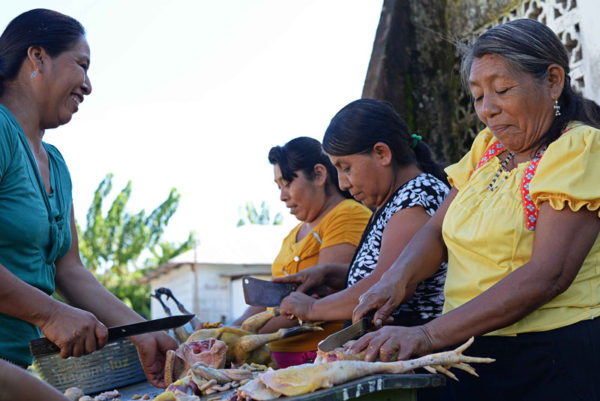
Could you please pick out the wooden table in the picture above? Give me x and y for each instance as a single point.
(370, 388)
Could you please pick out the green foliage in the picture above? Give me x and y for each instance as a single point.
(251, 215)
(119, 246)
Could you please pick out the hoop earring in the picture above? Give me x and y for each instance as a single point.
(556, 108)
(35, 73)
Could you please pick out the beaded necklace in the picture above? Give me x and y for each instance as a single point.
(529, 208)
(503, 165)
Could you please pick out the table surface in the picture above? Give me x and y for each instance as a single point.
(353, 389)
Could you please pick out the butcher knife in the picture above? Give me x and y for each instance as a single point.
(43, 346)
(351, 332)
(265, 293)
(268, 293)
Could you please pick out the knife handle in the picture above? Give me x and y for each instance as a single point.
(42, 346)
(368, 319)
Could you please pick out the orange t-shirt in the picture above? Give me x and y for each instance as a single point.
(345, 223)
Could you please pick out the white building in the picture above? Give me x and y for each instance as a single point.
(207, 280)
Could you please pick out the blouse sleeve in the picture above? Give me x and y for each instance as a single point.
(7, 146)
(459, 173)
(346, 226)
(568, 172)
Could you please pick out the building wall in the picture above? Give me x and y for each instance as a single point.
(214, 293)
(178, 281)
(416, 59)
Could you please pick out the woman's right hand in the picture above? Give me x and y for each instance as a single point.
(393, 342)
(307, 279)
(384, 297)
(75, 331)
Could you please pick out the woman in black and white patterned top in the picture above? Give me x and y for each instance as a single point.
(426, 191)
(387, 169)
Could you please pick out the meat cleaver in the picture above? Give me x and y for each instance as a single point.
(265, 293)
(43, 346)
(351, 332)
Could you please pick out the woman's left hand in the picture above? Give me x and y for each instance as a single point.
(394, 342)
(297, 304)
(152, 349)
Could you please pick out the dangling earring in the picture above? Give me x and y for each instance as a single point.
(556, 108)
(34, 74)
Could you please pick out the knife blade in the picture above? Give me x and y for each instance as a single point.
(351, 332)
(43, 346)
(265, 293)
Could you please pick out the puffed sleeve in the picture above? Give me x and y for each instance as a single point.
(568, 173)
(346, 226)
(459, 173)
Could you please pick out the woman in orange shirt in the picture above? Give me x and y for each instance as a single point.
(330, 229)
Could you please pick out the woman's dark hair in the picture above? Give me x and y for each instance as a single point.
(303, 154)
(531, 47)
(51, 30)
(361, 124)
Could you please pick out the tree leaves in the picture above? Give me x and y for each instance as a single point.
(118, 246)
(252, 216)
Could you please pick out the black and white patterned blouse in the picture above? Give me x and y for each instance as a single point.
(426, 303)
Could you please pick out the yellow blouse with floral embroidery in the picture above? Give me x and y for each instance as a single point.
(485, 230)
(344, 223)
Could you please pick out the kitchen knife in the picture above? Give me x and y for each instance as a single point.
(265, 293)
(43, 346)
(351, 332)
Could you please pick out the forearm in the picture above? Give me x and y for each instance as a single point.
(339, 306)
(23, 301)
(18, 384)
(420, 259)
(335, 275)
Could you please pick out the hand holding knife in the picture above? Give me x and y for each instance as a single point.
(43, 346)
(352, 332)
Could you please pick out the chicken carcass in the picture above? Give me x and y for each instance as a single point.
(244, 346)
(209, 352)
(258, 320)
(306, 378)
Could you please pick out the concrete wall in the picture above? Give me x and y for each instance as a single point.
(214, 293)
(590, 38)
(416, 58)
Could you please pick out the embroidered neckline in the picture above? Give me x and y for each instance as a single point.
(531, 212)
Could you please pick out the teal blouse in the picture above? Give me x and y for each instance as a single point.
(34, 226)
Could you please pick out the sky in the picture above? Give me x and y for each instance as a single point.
(192, 94)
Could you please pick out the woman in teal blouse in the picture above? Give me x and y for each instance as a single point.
(44, 59)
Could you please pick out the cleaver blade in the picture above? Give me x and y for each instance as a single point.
(351, 332)
(265, 293)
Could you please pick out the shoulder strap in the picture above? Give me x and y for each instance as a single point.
(494, 149)
(531, 212)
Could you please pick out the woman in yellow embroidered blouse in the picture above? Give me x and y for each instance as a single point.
(519, 230)
(330, 229)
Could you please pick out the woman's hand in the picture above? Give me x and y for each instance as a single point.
(152, 349)
(384, 297)
(75, 331)
(298, 305)
(307, 279)
(394, 342)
